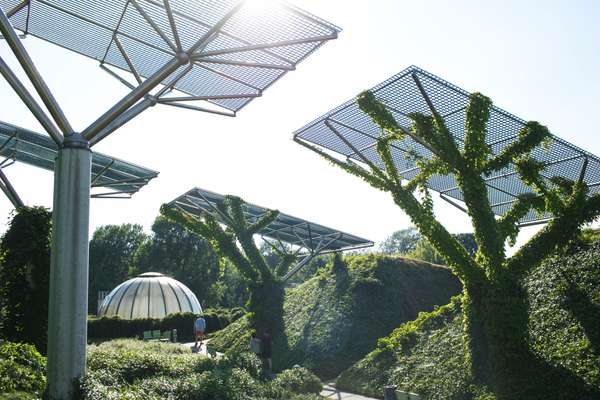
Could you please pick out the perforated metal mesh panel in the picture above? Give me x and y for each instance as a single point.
(402, 96)
(256, 44)
(285, 228)
(112, 177)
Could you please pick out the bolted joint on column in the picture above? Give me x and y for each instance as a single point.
(75, 141)
(183, 57)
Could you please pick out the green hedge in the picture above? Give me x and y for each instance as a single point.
(112, 328)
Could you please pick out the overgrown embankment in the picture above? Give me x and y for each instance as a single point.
(335, 318)
(426, 356)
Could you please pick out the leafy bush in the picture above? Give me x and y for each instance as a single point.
(22, 369)
(299, 380)
(115, 327)
(137, 370)
(24, 277)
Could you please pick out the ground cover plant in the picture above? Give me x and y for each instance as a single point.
(495, 309)
(22, 371)
(132, 369)
(336, 317)
(427, 356)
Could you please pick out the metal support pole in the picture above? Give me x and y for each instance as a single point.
(67, 317)
(10, 191)
(36, 79)
(122, 120)
(30, 102)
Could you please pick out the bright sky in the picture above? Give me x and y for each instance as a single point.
(536, 59)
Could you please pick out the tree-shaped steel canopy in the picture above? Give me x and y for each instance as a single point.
(308, 238)
(112, 177)
(221, 53)
(347, 131)
(236, 49)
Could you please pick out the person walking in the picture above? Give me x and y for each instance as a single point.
(199, 328)
(266, 353)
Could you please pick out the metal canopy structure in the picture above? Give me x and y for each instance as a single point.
(221, 54)
(308, 238)
(115, 178)
(347, 131)
(236, 49)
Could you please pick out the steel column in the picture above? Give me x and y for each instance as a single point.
(67, 322)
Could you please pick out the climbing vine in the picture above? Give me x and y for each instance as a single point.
(494, 306)
(232, 237)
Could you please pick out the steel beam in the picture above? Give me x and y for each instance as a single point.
(210, 97)
(30, 102)
(10, 191)
(140, 91)
(17, 8)
(153, 25)
(244, 63)
(171, 17)
(196, 108)
(122, 120)
(36, 79)
(268, 45)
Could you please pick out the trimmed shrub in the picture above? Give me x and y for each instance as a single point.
(115, 327)
(299, 380)
(22, 369)
(136, 370)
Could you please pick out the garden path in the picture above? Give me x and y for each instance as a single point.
(203, 348)
(330, 392)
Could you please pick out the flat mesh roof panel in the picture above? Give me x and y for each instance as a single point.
(114, 176)
(251, 49)
(402, 96)
(286, 228)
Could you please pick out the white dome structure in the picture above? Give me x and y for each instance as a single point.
(149, 295)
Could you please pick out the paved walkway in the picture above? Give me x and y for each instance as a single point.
(329, 392)
(202, 348)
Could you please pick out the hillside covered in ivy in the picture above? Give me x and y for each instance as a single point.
(427, 356)
(335, 318)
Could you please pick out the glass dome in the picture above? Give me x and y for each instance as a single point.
(149, 295)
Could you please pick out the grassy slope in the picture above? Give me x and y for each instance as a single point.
(426, 356)
(335, 318)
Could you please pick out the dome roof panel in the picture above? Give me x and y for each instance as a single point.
(149, 295)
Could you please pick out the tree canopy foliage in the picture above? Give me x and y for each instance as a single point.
(176, 252)
(112, 250)
(494, 305)
(24, 277)
(410, 243)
